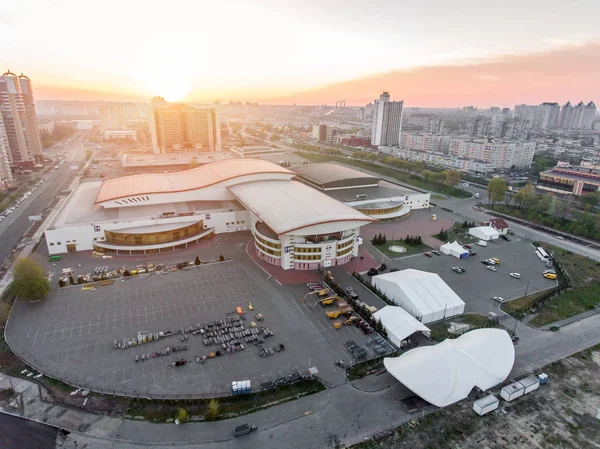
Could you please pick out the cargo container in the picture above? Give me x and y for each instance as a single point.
(512, 391)
(243, 429)
(543, 378)
(485, 405)
(241, 387)
(530, 384)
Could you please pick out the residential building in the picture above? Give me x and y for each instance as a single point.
(319, 132)
(503, 154)
(180, 128)
(331, 134)
(430, 123)
(361, 114)
(479, 126)
(387, 121)
(548, 116)
(566, 116)
(120, 134)
(6, 178)
(19, 120)
(506, 112)
(425, 142)
(112, 116)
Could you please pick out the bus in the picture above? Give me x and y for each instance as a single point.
(542, 254)
(54, 258)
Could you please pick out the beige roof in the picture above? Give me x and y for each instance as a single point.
(287, 206)
(193, 179)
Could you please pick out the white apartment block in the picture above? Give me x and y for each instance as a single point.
(441, 160)
(502, 154)
(387, 121)
(425, 142)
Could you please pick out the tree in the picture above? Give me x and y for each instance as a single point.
(592, 199)
(384, 239)
(562, 209)
(61, 283)
(182, 415)
(497, 187)
(29, 282)
(194, 163)
(213, 408)
(452, 177)
(221, 258)
(527, 196)
(197, 261)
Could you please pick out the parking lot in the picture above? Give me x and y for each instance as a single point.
(478, 285)
(70, 334)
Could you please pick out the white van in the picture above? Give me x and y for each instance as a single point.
(482, 243)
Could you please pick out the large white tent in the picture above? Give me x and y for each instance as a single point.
(484, 233)
(455, 249)
(424, 295)
(399, 324)
(446, 373)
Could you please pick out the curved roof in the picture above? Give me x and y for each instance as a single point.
(446, 373)
(329, 176)
(399, 323)
(195, 178)
(287, 206)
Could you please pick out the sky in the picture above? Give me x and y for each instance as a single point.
(435, 53)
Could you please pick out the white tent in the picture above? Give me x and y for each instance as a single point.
(455, 249)
(484, 233)
(399, 324)
(446, 373)
(424, 295)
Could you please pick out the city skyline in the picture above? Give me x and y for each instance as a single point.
(271, 52)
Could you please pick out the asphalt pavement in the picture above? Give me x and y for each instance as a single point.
(14, 226)
(19, 433)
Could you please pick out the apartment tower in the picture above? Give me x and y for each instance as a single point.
(387, 121)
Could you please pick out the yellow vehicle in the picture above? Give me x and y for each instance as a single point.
(495, 259)
(350, 321)
(328, 301)
(550, 276)
(333, 313)
(250, 306)
(323, 293)
(337, 324)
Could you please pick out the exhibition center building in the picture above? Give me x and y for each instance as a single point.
(294, 225)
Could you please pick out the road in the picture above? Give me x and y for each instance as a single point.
(465, 207)
(19, 433)
(14, 226)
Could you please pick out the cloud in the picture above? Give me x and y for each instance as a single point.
(567, 73)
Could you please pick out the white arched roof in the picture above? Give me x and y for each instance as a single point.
(446, 373)
(399, 324)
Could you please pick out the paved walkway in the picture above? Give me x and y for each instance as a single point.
(348, 414)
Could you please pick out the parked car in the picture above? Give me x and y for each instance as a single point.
(428, 254)
(373, 272)
(559, 237)
(491, 268)
(436, 252)
(382, 267)
(481, 242)
(516, 275)
(549, 272)
(504, 237)
(550, 276)
(499, 299)
(458, 270)
(467, 246)
(472, 253)
(496, 260)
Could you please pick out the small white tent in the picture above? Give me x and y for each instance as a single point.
(424, 295)
(454, 249)
(399, 324)
(484, 233)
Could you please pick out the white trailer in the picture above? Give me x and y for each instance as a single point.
(512, 391)
(485, 405)
(530, 384)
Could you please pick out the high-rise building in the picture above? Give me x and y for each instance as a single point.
(178, 127)
(112, 116)
(548, 115)
(19, 120)
(506, 112)
(479, 126)
(387, 121)
(361, 114)
(566, 116)
(319, 132)
(589, 115)
(6, 178)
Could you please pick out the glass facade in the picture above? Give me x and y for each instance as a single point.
(380, 211)
(154, 238)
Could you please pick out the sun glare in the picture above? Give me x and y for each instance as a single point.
(167, 86)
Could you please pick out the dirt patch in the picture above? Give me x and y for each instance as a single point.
(561, 413)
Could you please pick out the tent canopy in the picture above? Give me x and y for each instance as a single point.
(399, 324)
(424, 295)
(446, 373)
(484, 233)
(454, 249)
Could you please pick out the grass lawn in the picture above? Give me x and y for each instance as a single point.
(584, 295)
(410, 249)
(398, 175)
(439, 331)
(458, 234)
(568, 304)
